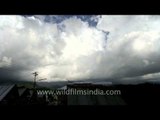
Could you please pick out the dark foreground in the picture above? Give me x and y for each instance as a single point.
(141, 94)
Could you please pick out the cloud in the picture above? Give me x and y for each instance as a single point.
(133, 45)
(79, 47)
(5, 62)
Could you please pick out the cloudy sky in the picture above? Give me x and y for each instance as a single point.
(119, 48)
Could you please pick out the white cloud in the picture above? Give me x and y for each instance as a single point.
(74, 50)
(5, 62)
(132, 40)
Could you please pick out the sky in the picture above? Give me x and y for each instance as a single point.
(116, 48)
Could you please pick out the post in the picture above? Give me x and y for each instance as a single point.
(34, 82)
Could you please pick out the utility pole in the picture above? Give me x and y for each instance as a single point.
(35, 77)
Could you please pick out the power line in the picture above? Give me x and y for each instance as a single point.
(35, 77)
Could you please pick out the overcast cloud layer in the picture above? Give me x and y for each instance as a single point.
(117, 48)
